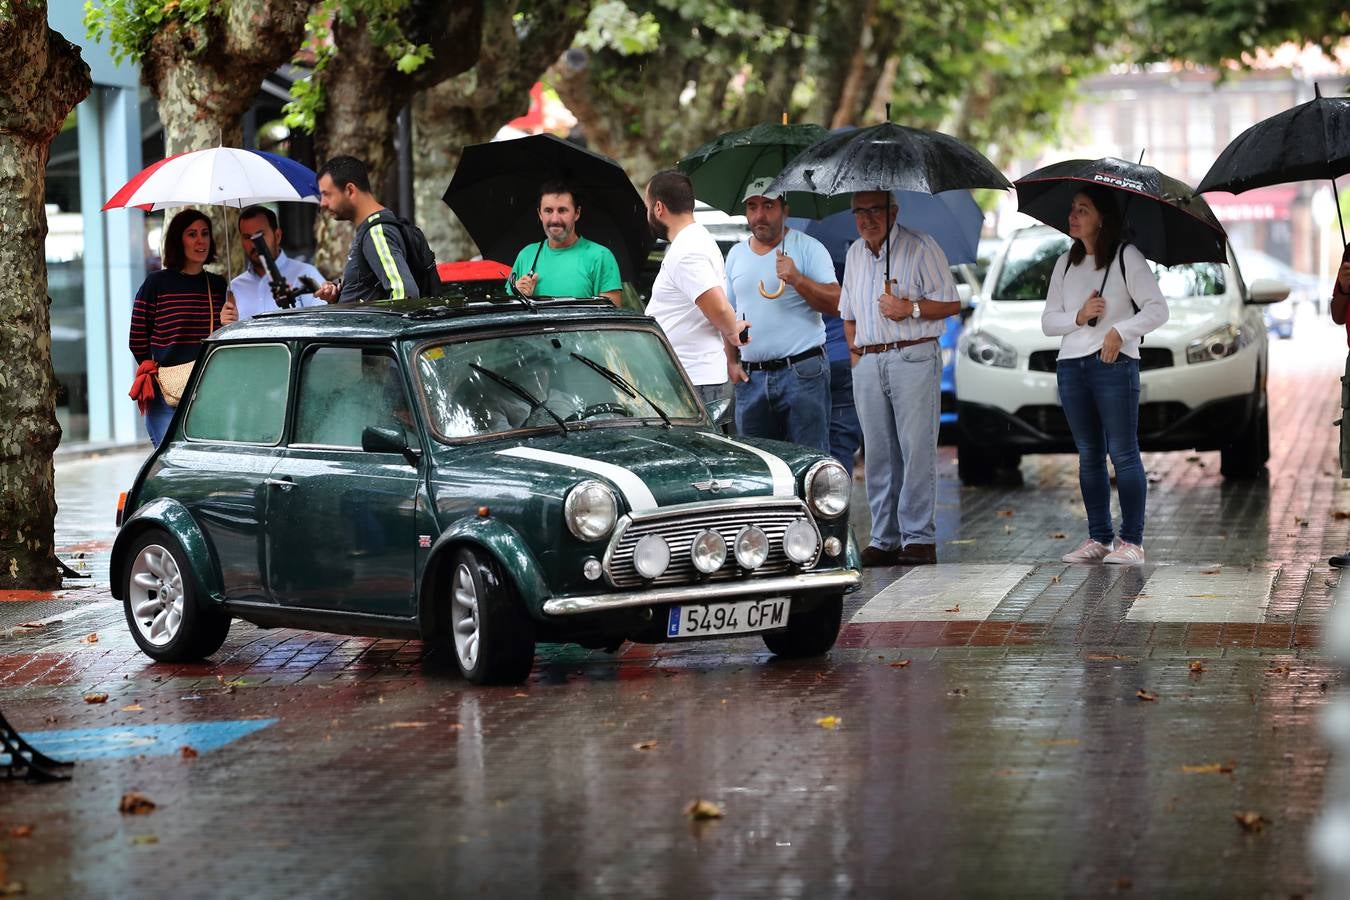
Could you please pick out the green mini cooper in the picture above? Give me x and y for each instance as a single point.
(487, 474)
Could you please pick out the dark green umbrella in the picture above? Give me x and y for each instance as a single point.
(722, 168)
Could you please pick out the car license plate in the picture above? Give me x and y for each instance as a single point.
(727, 618)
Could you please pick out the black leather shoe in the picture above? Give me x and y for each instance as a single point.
(875, 556)
(918, 555)
(1337, 562)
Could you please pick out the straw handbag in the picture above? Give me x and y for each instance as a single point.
(173, 379)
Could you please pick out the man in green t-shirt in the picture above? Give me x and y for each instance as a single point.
(566, 264)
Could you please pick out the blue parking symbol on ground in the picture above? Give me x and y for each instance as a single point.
(140, 740)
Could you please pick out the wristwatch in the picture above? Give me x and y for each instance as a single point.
(915, 312)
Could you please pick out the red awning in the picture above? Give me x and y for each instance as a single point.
(1260, 205)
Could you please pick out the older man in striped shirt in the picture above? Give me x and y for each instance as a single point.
(892, 331)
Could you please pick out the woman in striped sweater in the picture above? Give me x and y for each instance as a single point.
(175, 310)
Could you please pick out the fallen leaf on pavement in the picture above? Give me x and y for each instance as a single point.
(1059, 535)
(91, 638)
(700, 810)
(32, 624)
(1124, 884)
(1223, 768)
(134, 804)
(21, 831)
(1145, 695)
(900, 664)
(645, 745)
(1211, 570)
(829, 721)
(188, 752)
(132, 707)
(409, 724)
(520, 694)
(1196, 667)
(958, 692)
(456, 726)
(1250, 820)
(1340, 514)
(1281, 669)
(95, 698)
(1099, 657)
(1008, 529)
(1054, 579)
(140, 839)
(956, 608)
(1004, 513)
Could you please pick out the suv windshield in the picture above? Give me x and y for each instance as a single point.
(545, 381)
(1031, 257)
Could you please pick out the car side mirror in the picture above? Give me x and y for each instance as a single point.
(720, 411)
(1267, 290)
(378, 439)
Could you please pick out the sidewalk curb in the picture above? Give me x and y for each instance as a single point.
(91, 449)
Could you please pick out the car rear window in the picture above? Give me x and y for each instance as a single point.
(1031, 257)
(241, 395)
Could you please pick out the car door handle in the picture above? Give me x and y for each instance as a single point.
(284, 483)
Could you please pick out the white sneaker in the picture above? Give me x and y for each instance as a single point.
(1125, 554)
(1087, 552)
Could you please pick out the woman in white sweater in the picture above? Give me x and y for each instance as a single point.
(1098, 368)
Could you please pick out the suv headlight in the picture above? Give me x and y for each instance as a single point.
(988, 350)
(1218, 344)
(590, 510)
(827, 488)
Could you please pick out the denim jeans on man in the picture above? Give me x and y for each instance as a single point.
(1101, 402)
(158, 415)
(898, 397)
(787, 404)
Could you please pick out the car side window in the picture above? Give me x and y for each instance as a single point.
(343, 391)
(241, 395)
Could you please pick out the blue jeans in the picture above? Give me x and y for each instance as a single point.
(1101, 402)
(845, 429)
(898, 396)
(158, 415)
(787, 404)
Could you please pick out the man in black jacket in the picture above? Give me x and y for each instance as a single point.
(377, 264)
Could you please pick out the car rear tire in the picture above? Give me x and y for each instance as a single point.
(1245, 458)
(974, 466)
(492, 636)
(810, 633)
(167, 619)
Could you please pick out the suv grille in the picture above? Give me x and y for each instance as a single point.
(1149, 358)
(680, 529)
(1153, 418)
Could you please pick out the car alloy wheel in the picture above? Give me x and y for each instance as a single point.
(155, 594)
(464, 602)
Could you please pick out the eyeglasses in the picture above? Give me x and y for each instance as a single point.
(869, 212)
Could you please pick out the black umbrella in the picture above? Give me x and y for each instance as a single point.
(888, 157)
(1306, 143)
(495, 193)
(1163, 217)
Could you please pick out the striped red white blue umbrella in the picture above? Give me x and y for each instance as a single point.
(218, 176)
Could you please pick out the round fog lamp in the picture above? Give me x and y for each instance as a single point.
(651, 556)
(708, 552)
(800, 542)
(752, 547)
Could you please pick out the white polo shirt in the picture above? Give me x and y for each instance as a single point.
(693, 264)
(253, 292)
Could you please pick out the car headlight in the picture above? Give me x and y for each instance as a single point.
(988, 350)
(827, 488)
(752, 547)
(590, 510)
(1218, 344)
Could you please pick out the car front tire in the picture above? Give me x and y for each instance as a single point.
(974, 466)
(167, 619)
(492, 636)
(810, 633)
(1245, 458)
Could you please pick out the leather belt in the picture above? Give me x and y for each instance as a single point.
(772, 365)
(893, 345)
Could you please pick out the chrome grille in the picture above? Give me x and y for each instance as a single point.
(679, 530)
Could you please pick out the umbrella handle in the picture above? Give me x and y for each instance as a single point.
(782, 286)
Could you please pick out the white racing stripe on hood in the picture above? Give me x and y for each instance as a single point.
(634, 489)
(784, 485)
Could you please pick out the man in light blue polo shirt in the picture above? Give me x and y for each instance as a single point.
(782, 280)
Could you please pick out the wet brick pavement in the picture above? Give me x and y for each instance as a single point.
(989, 733)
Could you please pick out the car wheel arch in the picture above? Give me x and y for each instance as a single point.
(492, 539)
(173, 518)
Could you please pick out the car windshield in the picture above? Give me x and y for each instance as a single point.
(557, 380)
(1031, 257)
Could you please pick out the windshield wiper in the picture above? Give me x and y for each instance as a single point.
(621, 383)
(535, 404)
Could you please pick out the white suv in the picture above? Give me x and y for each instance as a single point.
(1202, 381)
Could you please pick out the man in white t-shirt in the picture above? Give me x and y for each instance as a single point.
(689, 298)
(251, 291)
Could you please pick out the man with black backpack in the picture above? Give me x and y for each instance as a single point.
(389, 258)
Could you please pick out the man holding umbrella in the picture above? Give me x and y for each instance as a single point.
(565, 264)
(897, 290)
(783, 279)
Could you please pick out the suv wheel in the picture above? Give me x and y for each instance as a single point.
(492, 635)
(810, 633)
(974, 466)
(1245, 458)
(166, 619)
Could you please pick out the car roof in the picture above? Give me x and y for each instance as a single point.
(385, 321)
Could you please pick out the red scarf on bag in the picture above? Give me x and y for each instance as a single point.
(143, 387)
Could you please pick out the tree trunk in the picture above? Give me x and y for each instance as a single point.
(520, 41)
(44, 79)
(201, 96)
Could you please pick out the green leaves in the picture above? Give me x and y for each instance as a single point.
(129, 25)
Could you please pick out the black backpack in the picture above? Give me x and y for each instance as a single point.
(421, 259)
